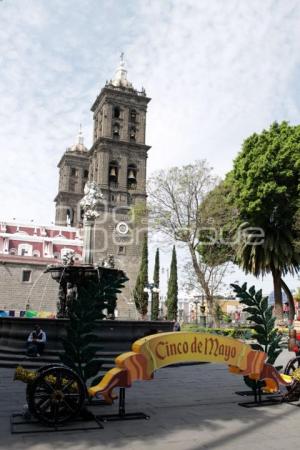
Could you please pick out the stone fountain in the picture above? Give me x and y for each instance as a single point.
(71, 276)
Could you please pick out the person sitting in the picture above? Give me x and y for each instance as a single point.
(176, 326)
(36, 342)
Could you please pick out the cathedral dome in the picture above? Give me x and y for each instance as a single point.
(120, 78)
(79, 145)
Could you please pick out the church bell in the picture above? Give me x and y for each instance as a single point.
(113, 172)
(131, 175)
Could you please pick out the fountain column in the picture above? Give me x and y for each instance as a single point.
(88, 242)
(89, 204)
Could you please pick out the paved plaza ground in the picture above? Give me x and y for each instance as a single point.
(191, 407)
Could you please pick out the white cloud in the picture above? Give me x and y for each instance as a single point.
(217, 71)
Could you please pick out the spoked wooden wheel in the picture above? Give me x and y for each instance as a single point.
(292, 365)
(56, 395)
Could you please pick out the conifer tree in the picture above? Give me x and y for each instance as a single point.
(172, 295)
(155, 295)
(139, 295)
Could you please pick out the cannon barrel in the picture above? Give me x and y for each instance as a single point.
(25, 375)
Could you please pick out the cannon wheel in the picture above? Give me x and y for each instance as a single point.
(48, 366)
(292, 365)
(56, 395)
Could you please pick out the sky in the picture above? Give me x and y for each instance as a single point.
(216, 71)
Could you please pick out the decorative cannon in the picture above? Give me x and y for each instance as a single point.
(54, 394)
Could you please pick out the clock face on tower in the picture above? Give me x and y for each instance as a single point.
(122, 228)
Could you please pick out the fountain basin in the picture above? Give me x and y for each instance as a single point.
(72, 277)
(114, 335)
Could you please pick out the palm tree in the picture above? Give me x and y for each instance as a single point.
(276, 255)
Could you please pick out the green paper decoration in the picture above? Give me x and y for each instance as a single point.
(261, 314)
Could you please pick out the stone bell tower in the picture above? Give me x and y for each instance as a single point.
(118, 160)
(73, 174)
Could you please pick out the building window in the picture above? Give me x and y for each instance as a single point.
(133, 115)
(74, 172)
(26, 276)
(130, 199)
(25, 250)
(65, 251)
(70, 216)
(121, 250)
(72, 186)
(86, 174)
(117, 112)
(132, 133)
(116, 130)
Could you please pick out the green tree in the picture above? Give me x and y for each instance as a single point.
(172, 295)
(265, 190)
(155, 295)
(139, 294)
(219, 314)
(175, 196)
(219, 222)
(257, 208)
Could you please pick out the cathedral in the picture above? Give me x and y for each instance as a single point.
(117, 163)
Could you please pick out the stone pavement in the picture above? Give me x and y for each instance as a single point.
(191, 407)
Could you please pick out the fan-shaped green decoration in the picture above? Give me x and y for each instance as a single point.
(261, 316)
(81, 343)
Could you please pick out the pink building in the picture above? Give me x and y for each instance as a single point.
(25, 252)
(23, 242)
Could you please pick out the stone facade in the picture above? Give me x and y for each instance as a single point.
(118, 161)
(16, 293)
(73, 174)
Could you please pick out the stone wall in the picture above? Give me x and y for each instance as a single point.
(40, 292)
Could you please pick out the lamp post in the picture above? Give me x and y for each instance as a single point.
(196, 303)
(202, 310)
(150, 288)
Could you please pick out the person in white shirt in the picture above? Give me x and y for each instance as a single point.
(36, 341)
